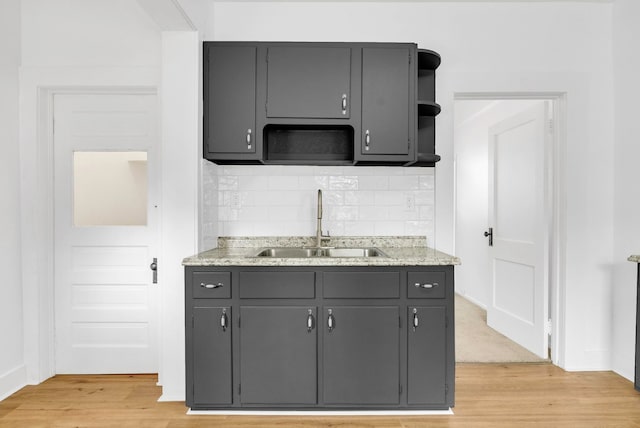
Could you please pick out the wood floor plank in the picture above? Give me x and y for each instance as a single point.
(487, 395)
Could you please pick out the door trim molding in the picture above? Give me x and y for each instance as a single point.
(556, 188)
(38, 236)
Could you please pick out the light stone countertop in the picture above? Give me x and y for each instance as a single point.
(401, 251)
(634, 258)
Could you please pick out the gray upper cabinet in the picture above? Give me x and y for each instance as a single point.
(229, 86)
(303, 103)
(308, 82)
(386, 101)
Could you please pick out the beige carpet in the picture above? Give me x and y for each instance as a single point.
(476, 342)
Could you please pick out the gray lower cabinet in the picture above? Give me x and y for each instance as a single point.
(324, 337)
(278, 355)
(211, 362)
(361, 355)
(427, 355)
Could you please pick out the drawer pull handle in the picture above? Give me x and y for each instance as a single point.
(224, 320)
(344, 103)
(249, 139)
(367, 140)
(426, 285)
(210, 286)
(415, 319)
(331, 322)
(310, 321)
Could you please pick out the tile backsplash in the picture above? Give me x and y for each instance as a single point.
(270, 200)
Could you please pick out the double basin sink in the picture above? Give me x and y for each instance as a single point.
(302, 252)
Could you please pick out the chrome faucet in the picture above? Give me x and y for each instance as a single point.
(319, 234)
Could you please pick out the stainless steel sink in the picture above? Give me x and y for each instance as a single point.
(300, 252)
(355, 252)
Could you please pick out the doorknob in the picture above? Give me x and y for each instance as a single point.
(489, 233)
(154, 267)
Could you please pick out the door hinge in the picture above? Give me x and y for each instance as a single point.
(548, 327)
(551, 125)
(446, 389)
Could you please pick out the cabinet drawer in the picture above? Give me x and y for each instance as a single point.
(277, 285)
(362, 285)
(211, 285)
(426, 285)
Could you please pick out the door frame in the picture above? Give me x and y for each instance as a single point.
(39, 303)
(556, 159)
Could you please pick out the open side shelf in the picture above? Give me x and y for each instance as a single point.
(428, 60)
(428, 108)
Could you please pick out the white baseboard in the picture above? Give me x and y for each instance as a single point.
(171, 397)
(12, 381)
(472, 300)
(321, 412)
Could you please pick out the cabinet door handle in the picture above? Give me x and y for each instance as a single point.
(210, 286)
(331, 322)
(224, 321)
(344, 103)
(367, 139)
(249, 139)
(310, 321)
(415, 319)
(426, 285)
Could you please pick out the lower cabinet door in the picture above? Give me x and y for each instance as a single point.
(278, 363)
(427, 364)
(211, 356)
(361, 355)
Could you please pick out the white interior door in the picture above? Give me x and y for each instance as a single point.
(106, 226)
(518, 208)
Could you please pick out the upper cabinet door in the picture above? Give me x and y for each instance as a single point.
(229, 99)
(309, 82)
(386, 101)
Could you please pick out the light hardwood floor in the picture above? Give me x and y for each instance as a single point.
(488, 395)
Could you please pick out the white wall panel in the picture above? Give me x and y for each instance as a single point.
(627, 176)
(12, 371)
(494, 47)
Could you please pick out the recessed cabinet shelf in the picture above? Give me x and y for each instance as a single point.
(428, 108)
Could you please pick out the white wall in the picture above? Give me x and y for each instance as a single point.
(12, 370)
(471, 151)
(562, 47)
(180, 161)
(626, 33)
